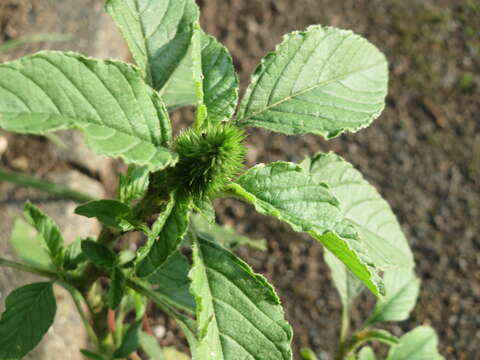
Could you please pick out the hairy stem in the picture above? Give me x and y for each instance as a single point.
(44, 185)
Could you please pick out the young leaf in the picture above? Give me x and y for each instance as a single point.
(134, 184)
(117, 288)
(402, 288)
(205, 209)
(109, 212)
(130, 341)
(73, 255)
(173, 282)
(108, 100)
(157, 32)
(173, 354)
(323, 81)
(419, 344)
(152, 234)
(51, 235)
(99, 254)
(365, 208)
(308, 354)
(30, 311)
(286, 191)
(91, 355)
(225, 235)
(238, 313)
(150, 346)
(26, 243)
(172, 233)
(220, 82)
(366, 353)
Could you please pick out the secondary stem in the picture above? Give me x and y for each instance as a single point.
(44, 185)
(78, 300)
(28, 268)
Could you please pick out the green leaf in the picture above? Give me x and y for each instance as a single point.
(239, 316)
(26, 243)
(73, 255)
(365, 208)
(134, 184)
(173, 354)
(99, 254)
(30, 311)
(287, 192)
(308, 354)
(419, 344)
(402, 291)
(323, 81)
(157, 32)
(109, 212)
(347, 284)
(117, 288)
(225, 235)
(173, 282)
(366, 353)
(372, 217)
(126, 258)
(170, 237)
(205, 209)
(130, 341)
(108, 100)
(220, 82)
(51, 235)
(91, 355)
(149, 345)
(156, 228)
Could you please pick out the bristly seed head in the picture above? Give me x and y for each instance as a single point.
(208, 159)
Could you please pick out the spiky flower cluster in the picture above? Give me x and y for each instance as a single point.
(208, 159)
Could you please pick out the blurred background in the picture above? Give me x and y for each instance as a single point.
(423, 154)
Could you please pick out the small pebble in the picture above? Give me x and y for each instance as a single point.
(159, 331)
(3, 144)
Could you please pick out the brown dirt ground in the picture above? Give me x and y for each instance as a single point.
(423, 154)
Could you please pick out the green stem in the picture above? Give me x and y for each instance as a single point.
(44, 185)
(185, 322)
(28, 268)
(49, 37)
(344, 330)
(78, 300)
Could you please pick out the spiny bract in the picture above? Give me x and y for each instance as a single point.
(208, 159)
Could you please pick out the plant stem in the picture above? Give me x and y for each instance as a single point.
(184, 321)
(78, 300)
(28, 268)
(48, 37)
(44, 185)
(344, 330)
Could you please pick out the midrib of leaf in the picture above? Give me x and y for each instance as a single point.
(210, 299)
(211, 274)
(323, 83)
(214, 271)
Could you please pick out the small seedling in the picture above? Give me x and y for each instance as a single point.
(322, 81)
